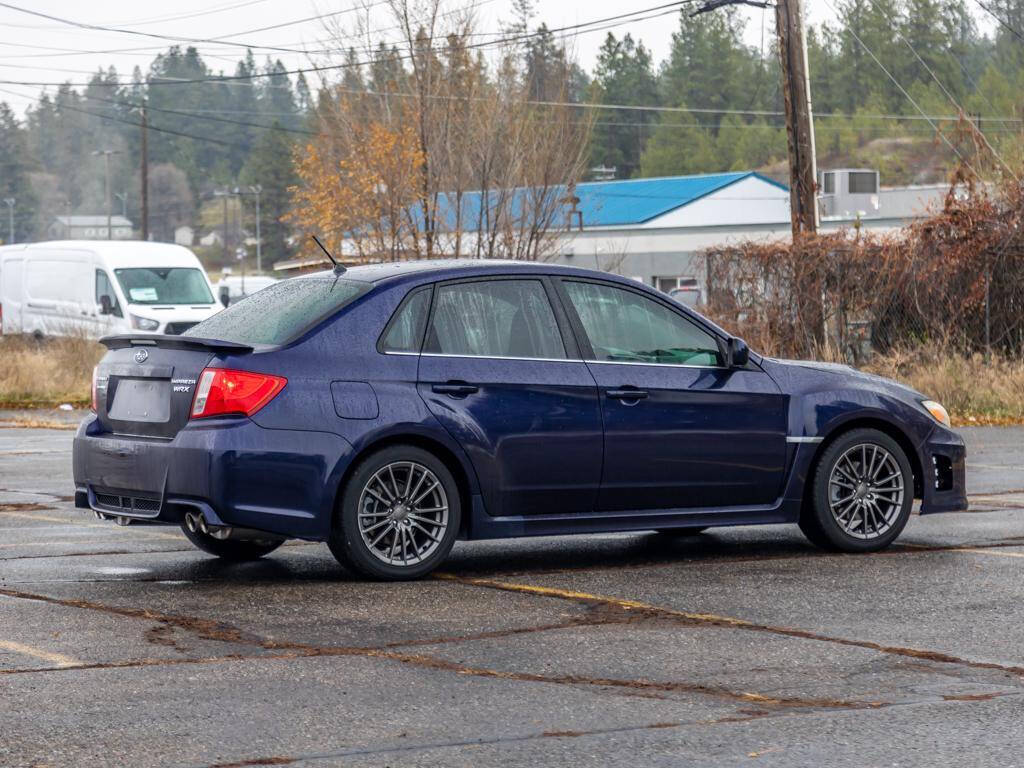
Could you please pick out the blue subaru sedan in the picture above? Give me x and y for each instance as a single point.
(395, 408)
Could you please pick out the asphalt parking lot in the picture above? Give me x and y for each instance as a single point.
(126, 647)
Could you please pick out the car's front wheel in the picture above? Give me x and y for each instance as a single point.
(399, 515)
(861, 495)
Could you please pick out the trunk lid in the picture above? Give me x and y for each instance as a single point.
(145, 384)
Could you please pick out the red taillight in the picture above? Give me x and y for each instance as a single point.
(95, 404)
(222, 391)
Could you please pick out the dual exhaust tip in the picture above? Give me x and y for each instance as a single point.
(196, 523)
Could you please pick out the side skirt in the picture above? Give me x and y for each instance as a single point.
(483, 526)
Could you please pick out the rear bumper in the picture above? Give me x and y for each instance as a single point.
(944, 482)
(234, 471)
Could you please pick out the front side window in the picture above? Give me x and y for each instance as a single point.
(625, 326)
(494, 318)
(164, 285)
(405, 332)
(104, 288)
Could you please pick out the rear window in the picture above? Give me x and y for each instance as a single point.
(281, 312)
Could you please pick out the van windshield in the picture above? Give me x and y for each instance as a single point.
(164, 285)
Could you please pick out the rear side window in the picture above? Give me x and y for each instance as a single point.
(494, 318)
(405, 331)
(281, 312)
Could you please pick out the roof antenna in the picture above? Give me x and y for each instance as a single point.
(339, 269)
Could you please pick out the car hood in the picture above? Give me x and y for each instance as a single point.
(806, 375)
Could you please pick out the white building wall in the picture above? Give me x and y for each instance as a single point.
(745, 202)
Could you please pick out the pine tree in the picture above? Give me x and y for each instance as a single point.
(623, 75)
(14, 178)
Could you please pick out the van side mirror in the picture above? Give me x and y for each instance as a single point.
(738, 352)
(225, 296)
(106, 305)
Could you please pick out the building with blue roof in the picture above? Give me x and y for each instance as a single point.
(658, 230)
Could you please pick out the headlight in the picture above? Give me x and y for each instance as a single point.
(144, 323)
(937, 411)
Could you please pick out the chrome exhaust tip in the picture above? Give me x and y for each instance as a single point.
(100, 515)
(220, 533)
(192, 521)
(121, 520)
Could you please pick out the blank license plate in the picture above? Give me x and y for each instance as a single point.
(147, 400)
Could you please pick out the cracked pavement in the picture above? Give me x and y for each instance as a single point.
(125, 646)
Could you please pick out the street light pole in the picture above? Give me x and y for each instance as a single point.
(256, 190)
(9, 202)
(106, 166)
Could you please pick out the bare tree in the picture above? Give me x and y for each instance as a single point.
(439, 151)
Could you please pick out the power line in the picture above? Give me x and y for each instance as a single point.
(609, 22)
(1002, 22)
(942, 87)
(904, 92)
(140, 33)
(151, 108)
(150, 127)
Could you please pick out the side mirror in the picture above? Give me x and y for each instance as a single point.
(106, 305)
(225, 296)
(738, 352)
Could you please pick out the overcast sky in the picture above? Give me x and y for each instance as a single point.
(40, 50)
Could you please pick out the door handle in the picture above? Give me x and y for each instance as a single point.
(455, 388)
(627, 394)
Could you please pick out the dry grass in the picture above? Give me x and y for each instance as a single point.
(973, 391)
(48, 372)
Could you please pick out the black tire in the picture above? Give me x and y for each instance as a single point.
(884, 518)
(230, 549)
(679, 533)
(347, 542)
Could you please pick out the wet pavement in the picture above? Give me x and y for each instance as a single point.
(125, 646)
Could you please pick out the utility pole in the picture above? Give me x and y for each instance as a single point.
(106, 153)
(796, 91)
(144, 174)
(256, 190)
(224, 240)
(9, 202)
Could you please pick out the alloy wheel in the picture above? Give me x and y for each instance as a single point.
(865, 491)
(403, 513)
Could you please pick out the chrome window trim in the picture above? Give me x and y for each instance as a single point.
(501, 357)
(658, 365)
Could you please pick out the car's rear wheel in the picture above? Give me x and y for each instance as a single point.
(399, 515)
(861, 495)
(231, 549)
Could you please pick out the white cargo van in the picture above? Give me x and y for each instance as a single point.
(233, 288)
(95, 288)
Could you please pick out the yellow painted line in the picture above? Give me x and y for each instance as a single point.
(57, 659)
(988, 552)
(567, 594)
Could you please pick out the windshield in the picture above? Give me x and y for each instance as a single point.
(280, 312)
(164, 285)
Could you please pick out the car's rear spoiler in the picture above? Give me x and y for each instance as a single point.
(173, 342)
